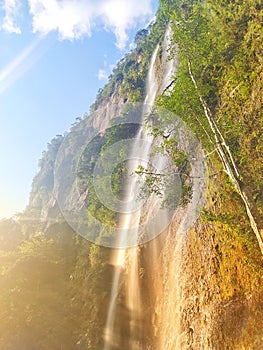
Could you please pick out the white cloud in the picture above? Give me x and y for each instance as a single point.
(11, 9)
(74, 19)
(102, 74)
(121, 15)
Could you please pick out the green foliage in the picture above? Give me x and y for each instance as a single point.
(95, 149)
(34, 289)
(53, 290)
(43, 182)
(129, 77)
(174, 183)
(54, 285)
(221, 39)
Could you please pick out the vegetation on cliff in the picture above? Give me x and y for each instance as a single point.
(55, 286)
(220, 73)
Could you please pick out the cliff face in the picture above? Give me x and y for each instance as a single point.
(206, 295)
(53, 176)
(43, 182)
(201, 284)
(212, 287)
(126, 86)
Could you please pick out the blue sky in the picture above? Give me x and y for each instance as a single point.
(55, 55)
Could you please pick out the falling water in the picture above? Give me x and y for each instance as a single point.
(170, 66)
(132, 219)
(126, 260)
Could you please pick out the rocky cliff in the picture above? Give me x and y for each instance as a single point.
(200, 280)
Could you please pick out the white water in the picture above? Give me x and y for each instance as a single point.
(130, 256)
(126, 260)
(170, 67)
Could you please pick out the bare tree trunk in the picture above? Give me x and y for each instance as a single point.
(230, 167)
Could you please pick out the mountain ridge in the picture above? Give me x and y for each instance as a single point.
(200, 290)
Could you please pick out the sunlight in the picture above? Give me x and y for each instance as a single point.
(22, 63)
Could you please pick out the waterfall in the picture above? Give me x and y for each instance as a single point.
(130, 256)
(170, 66)
(126, 259)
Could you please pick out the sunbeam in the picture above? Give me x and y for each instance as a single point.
(22, 62)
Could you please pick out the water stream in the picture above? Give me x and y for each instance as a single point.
(126, 259)
(132, 218)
